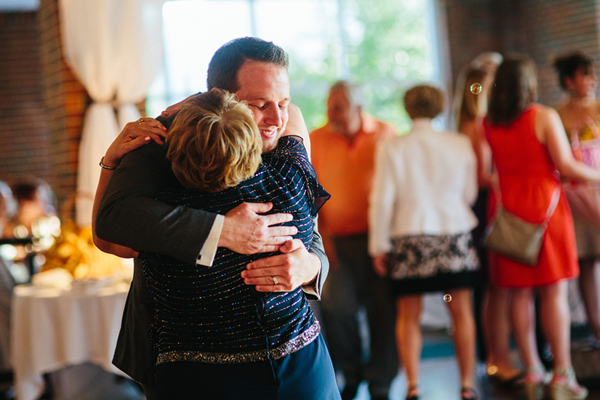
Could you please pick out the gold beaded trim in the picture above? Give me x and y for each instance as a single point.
(307, 337)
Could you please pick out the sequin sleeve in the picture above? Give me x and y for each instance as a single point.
(290, 149)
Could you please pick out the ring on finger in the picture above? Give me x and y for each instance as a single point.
(140, 121)
(275, 281)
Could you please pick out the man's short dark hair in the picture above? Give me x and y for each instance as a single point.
(227, 61)
(569, 64)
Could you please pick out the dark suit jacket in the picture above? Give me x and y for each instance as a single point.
(130, 216)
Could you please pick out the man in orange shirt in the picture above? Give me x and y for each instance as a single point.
(343, 154)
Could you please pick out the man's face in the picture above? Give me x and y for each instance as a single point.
(265, 87)
(342, 116)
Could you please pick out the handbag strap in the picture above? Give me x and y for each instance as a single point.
(551, 206)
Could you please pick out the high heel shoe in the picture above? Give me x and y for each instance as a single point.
(564, 386)
(413, 393)
(535, 382)
(510, 378)
(468, 393)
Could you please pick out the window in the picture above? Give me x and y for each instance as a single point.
(387, 45)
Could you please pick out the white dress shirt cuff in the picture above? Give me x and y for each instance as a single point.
(208, 251)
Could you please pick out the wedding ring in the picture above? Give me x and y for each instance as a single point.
(140, 121)
(275, 281)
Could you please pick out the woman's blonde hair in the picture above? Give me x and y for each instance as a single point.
(214, 142)
(423, 101)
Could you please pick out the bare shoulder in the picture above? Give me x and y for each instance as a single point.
(294, 109)
(295, 124)
(548, 123)
(547, 114)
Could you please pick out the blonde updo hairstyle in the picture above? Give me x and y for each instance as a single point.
(423, 101)
(214, 142)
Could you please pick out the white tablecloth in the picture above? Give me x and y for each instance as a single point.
(52, 329)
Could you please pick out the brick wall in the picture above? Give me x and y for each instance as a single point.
(472, 29)
(24, 134)
(542, 29)
(66, 100)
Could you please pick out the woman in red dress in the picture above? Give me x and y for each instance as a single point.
(529, 146)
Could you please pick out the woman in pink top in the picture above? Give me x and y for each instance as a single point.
(577, 76)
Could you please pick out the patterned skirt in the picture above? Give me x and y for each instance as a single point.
(426, 263)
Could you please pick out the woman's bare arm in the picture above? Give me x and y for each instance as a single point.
(297, 126)
(484, 162)
(549, 131)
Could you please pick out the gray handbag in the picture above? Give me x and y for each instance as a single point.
(516, 238)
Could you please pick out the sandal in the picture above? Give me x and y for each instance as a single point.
(413, 393)
(564, 386)
(511, 380)
(535, 381)
(468, 393)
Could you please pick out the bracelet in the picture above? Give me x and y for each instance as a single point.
(106, 166)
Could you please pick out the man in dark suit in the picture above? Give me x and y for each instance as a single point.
(128, 214)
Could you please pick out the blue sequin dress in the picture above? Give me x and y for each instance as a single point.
(208, 314)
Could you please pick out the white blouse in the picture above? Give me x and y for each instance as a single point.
(425, 183)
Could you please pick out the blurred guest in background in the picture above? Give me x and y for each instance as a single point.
(8, 207)
(343, 154)
(578, 113)
(420, 223)
(35, 219)
(473, 108)
(487, 61)
(528, 145)
(491, 302)
(35, 200)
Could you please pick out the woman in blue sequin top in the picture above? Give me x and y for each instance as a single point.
(207, 321)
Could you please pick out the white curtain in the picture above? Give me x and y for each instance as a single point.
(115, 48)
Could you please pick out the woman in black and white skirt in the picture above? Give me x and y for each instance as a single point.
(419, 230)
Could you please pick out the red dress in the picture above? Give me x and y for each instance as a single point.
(528, 180)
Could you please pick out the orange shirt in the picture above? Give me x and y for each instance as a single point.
(345, 169)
